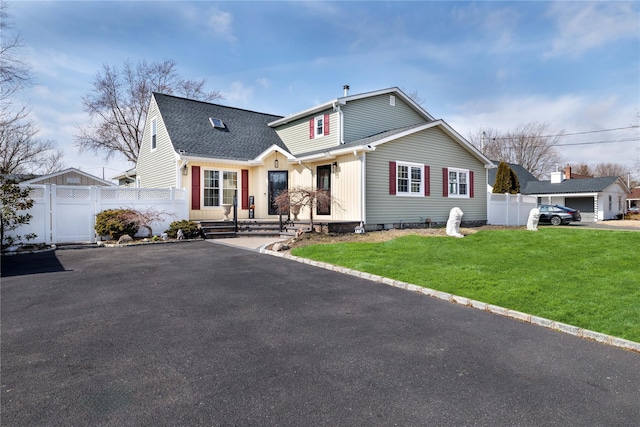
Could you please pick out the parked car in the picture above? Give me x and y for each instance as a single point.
(574, 212)
(634, 210)
(554, 215)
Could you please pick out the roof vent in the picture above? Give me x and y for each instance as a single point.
(216, 123)
(346, 90)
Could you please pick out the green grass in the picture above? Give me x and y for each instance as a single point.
(586, 278)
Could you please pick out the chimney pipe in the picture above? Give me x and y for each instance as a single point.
(346, 90)
(567, 171)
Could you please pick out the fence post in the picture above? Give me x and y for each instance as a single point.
(47, 215)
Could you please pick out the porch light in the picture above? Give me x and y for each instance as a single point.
(275, 162)
(185, 171)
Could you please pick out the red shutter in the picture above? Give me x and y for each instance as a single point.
(445, 182)
(471, 184)
(312, 130)
(245, 189)
(427, 181)
(326, 124)
(392, 177)
(195, 187)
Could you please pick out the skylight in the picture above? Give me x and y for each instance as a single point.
(216, 123)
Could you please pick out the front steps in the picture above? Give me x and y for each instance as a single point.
(247, 228)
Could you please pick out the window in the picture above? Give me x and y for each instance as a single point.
(153, 134)
(392, 100)
(458, 182)
(409, 179)
(218, 191)
(610, 202)
(216, 123)
(319, 126)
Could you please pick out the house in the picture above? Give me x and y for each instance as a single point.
(597, 199)
(384, 159)
(126, 178)
(633, 199)
(70, 176)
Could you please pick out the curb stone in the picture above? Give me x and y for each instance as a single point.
(478, 305)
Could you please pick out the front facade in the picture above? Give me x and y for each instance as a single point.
(384, 160)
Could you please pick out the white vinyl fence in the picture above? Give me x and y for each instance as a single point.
(67, 213)
(509, 209)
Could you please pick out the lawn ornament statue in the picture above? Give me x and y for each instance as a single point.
(534, 217)
(453, 224)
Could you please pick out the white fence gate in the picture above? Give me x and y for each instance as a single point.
(67, 213)
(509, 209)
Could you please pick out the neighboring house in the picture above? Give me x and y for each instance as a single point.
(127, 178)
(633, 199)
(384, 159)
(597, 199)
(69, 176)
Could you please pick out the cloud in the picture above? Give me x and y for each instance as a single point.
(569, 113)
(238, 94)
(585, 26)
(217, 22)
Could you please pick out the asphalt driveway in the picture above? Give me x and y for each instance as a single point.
(205, 334)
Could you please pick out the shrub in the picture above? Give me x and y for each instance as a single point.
(190, 229)
(116, 223)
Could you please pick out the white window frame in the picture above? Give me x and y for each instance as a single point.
(317, 119)
(154, 134)
(455, 185)
(410, 180)
(222, 198)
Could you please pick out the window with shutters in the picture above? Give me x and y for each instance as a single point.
(458, 182)
(319, 126)
(219, 187)
(409, 179)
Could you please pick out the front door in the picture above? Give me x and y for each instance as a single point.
(324, 183)
(278, 182)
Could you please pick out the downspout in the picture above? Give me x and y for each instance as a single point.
(336, 107)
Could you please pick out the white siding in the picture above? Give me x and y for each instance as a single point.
(156, 168)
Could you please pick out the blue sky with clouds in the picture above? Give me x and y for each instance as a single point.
(572, 65)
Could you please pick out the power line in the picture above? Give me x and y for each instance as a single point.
(597, 142)
(565, 134)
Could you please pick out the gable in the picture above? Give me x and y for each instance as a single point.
(369, 116)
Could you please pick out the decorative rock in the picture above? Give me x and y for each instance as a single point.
(180, 234)
(125, 239)
(277, 247)
(534, 217)
(164, 236)
(453, 224)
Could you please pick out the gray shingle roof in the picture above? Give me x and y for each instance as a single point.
(523, 175)
(586, 185)
(363, 141)
(244, 137)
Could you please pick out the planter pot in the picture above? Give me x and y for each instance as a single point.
(295, 210)
(226, 210)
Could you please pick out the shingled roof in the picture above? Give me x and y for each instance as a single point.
(245, 134)
(524, 176)
(586, 185)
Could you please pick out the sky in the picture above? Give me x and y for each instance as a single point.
(574, 66)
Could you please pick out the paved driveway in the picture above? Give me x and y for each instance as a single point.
(205, 334)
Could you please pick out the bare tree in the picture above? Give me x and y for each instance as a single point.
(119, 102)
(531, 146)
(610, 169)
(304, 198)
(583, 169)
(20, 150)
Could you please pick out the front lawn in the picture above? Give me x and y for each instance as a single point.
(586, 278)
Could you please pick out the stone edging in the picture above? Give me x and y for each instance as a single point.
(141, 243)
(523, 317)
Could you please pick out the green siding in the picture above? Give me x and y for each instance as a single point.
(437, 150)
(156, 168)
(369, 116)
(295, 135)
